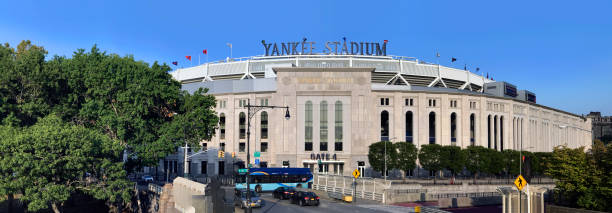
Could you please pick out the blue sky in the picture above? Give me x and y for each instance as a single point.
(561, 50)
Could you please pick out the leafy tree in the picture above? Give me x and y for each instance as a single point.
(430, 158)
(406, 157)
(511, 162)
(476, 160)
(57, 159)
(9, 183)
(453, 159)
(494, 163)
(135, 104)
(376, 156)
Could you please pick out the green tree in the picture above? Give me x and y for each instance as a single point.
(494, 163)
(511, 162)
(476, 160)
(57, 159)
(9, 183)
(376, 156)
(430, 158)
(582, 179)
(453, 159)
(406, 157)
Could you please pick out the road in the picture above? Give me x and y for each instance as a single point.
(273, 205)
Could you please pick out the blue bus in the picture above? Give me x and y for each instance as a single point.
(268, 179)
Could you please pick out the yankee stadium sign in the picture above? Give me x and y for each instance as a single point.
(329, 48)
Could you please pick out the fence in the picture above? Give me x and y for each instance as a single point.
(456, 195)
(366, 188)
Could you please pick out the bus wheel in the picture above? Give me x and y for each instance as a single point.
(299, 186)
(258, 188)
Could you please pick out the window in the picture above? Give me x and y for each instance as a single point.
(264, 146)
(453, 103)
(221, 168)
(489, 131)
(432, 102)
(384, 126)
(409, 102)
(264, 125)
(204, 146)
(203, 168)
(263, 102)
(384, 101)
(338, 127)
(472, 129)
(242, 125)
(472, 104)
(222, 146)
(495, 132)
(222, 126)
(409, 126)
(308, 127)
(453, 127)
(241, 147)
(432, 128)
(323, 126)
(501, 133)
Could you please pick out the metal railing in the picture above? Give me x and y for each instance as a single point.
(473, 194)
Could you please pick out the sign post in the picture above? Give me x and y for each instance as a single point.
(356, 174)
(520, 183)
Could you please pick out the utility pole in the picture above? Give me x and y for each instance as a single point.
(251, 111)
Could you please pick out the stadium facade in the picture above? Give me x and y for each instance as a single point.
(341, 103)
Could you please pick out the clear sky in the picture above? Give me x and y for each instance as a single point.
(561, 50)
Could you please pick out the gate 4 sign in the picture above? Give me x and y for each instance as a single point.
(520, 182)
(356, 173)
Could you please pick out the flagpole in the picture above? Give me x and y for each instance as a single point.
(199, 59)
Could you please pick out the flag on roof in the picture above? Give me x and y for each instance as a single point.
(188, 57)
(453, 59)
(205, 51)
(175, 63)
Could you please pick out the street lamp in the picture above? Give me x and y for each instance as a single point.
(252, 110)
(391, 140)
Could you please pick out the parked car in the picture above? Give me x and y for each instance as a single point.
(283, 193)
(240, 199)
(147, 178)
(303, 198)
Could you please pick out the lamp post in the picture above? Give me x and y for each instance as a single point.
(391, 140)
(251, 111)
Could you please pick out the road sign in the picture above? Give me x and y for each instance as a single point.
(257, 154)
(520, 182)
(243, 171)
(356, 173)
(257, 161)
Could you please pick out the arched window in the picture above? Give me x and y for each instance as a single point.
(384, 125)
(489, 131)
(338, 126)
(308, 127)
(495, 121)
(242, 125)
(264, 125)
(222, 126)
(501, 133)
(472, 129)
(432, 128)
(323, 126)
(453, 127)
(409, 126)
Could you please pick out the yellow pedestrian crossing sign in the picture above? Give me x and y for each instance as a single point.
(356, 173)
(520, 182)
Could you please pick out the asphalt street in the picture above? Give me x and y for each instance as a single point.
(273, 205)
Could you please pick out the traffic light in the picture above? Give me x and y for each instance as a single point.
(233, 154)
(221, 154)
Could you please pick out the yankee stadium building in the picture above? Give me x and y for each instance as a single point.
(352, 94)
